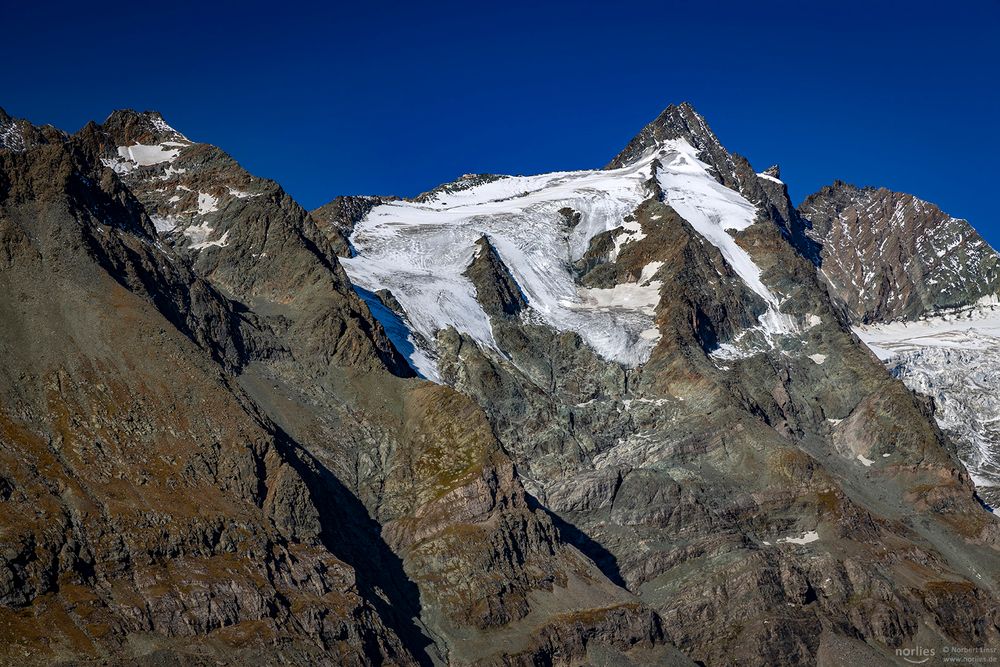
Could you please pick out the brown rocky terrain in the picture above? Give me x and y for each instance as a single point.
(320, 504)
(212, 452)
(150, 509)
(888, 255)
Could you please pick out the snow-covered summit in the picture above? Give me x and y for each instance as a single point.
(419, 250)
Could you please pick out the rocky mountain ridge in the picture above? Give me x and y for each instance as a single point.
(369, 477)
(921, 287)
(748, 348)
(890, 256)
(716, 471)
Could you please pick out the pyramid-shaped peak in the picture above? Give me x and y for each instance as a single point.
(128, 126)
(677, 121)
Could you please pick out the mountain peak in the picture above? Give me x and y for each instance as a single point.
(128, 126)
(18, 134)
(889, 255)
(677, 121)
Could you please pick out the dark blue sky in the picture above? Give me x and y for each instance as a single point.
(395, 98)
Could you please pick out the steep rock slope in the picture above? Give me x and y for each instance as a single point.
(658, 356)
(149, 508)
(303, 448)
(245, 235)
(889, 256)
(922, 287)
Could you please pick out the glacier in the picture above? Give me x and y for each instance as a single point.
(419, 250)
(954, 358)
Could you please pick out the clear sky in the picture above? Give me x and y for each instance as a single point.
(386, 98)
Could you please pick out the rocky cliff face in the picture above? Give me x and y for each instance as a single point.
(144, 494)
(888, 255)
(922, 287)
(230, 461)
(749, 459)
(652, 438)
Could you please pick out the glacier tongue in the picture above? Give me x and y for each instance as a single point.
(419, 250)
(954, 358)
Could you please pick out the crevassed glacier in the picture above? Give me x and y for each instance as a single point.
(955, 359)
(419, 250)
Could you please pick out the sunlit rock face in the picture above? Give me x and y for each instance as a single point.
(609, 416)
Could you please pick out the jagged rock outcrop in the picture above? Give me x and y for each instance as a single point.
(496, 288)
(731, 169)
(338, 217)
(888, 255)
(17, 134)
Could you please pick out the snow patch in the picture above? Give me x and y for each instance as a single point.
(632, 232)
(806, 538)
(170, 172)
(145, 156)
(642, 295)
(971, 328)
(141, 155)
(218, 243)
(163, 224)
(864, 461)
(818, 358)
(162, 126)
(207, 203)
(198, 234)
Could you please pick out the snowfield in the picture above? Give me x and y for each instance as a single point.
(419, 251)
